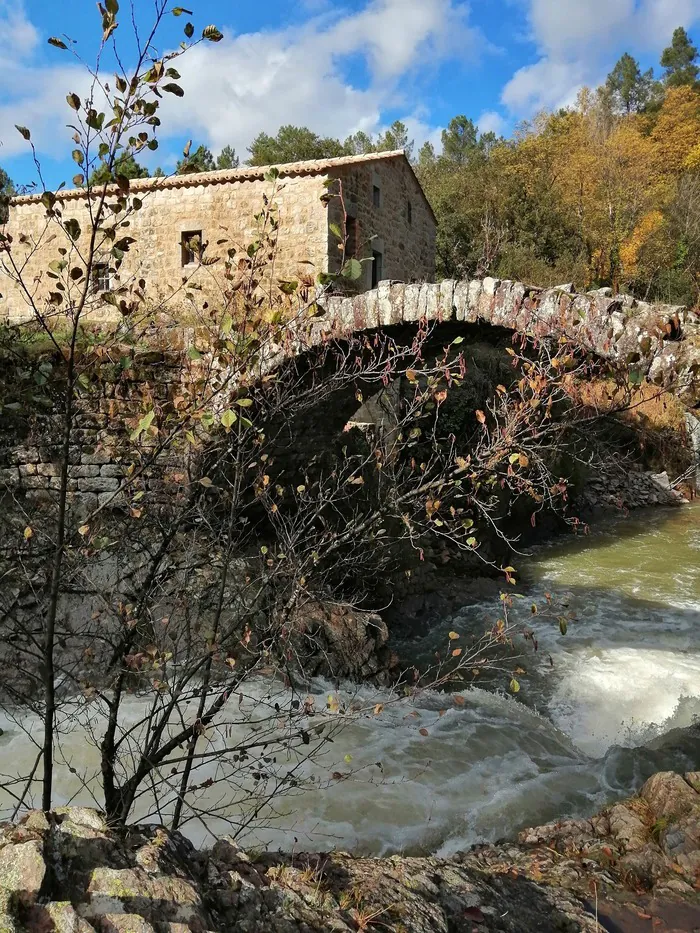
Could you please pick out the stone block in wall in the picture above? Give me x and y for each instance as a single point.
(446, 300)
(111, 501)
(474, 292)
(35, 482)
(81, 471)
(359, 312)
(384, 309)
(429, 300)
(116, 469)
(371, 310)
(96, 457)
(411, 303)
(98, 484)
(397, 296)
(460, 301)
(27, 469)
(48, 469)
(27, 455)
(9, 476)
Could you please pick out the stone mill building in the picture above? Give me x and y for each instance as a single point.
(389, 223)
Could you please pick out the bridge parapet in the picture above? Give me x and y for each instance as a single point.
(658, 342)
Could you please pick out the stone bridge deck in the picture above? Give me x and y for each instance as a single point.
(659, 342)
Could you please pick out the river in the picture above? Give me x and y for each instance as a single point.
(599, 708)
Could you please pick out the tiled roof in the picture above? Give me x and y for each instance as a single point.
(245, 173)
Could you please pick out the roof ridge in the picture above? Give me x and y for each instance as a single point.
(219, 176)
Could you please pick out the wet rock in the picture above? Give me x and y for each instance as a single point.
(669, 795)
(339, 641)
(148, 879)
(22, 870)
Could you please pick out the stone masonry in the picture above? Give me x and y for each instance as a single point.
(387, 210)
(659, 342)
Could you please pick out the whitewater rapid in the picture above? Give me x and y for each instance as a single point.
(599, 709)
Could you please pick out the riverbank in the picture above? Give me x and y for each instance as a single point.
(636, 864)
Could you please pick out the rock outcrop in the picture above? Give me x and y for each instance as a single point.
(635, 866)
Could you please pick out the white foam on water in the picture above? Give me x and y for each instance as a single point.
(627, 672)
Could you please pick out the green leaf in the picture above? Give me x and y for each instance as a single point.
(229, 418)
(244, 402)
(457, 341)
(352, 270)
(563, 626)
(212, 34)
(57, 43)
(146, 421)
(227, 324)
(336, 231)
(179, 10)
(189, 30)
(273, 174)
(78, 156)
(194, 354)
(174, 89)
(72, 228)
(514, 685)
(23, 131)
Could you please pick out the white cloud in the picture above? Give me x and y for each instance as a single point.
(259, 81)
(491, 121)
(577, 41)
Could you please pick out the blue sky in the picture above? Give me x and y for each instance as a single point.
(334, 66)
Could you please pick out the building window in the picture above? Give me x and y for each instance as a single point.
(410, 212)
(100, 277)
(376, 195)
(190, 245)
(377, 268)
(351, 238)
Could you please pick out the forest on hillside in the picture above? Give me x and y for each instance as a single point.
(604, 192)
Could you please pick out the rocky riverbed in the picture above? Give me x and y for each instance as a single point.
(633, 867)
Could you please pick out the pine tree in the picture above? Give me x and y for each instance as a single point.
(227, 158)
(679, 61)
(630, 88)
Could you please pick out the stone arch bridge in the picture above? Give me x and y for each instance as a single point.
(660, 343)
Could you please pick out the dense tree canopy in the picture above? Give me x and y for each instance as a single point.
(606, 192)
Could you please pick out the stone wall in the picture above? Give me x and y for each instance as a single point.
(402, 228)
(108, 407)
(222, 212)
(222, 206)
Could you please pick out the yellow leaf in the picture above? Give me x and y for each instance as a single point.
(453, 636)
(28, 533)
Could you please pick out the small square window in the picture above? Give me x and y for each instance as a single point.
(410, 212)
(100, 277)
(377, 268)
(191, 246)
(376, 195)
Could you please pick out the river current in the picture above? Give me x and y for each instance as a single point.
(599, 708)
